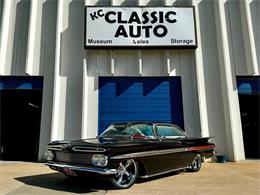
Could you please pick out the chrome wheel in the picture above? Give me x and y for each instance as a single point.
(127, 174)
(196, 164)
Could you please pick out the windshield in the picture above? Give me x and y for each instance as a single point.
(129, 129)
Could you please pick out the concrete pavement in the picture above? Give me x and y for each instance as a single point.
(214, 178)
(23, 178)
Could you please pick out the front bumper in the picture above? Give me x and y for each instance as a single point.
(102, 171)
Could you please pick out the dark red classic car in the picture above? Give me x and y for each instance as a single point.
(126, 151)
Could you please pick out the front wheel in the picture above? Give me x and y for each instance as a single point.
(196, 164)
(127, 173)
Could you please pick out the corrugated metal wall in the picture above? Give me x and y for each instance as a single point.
(45, 37)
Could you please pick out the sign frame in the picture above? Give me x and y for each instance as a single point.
(133, 47)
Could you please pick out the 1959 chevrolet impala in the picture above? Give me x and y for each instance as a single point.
(126, 151)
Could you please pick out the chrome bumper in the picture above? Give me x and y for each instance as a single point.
(102, 171)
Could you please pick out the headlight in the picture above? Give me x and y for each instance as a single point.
(49, 155)
(99, 160)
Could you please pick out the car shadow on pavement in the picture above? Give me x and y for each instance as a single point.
(59, 182)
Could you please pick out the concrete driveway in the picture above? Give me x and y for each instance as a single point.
(214, 178)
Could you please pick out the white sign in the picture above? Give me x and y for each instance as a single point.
(140, 27)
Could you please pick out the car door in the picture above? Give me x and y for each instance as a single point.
(170, 140)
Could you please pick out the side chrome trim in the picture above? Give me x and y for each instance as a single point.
(82, 168)
(161, 152)
(87, 149)
(149, 153)
(161, 173)
(55, 147)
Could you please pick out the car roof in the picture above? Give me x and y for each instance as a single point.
(133, 122)
(145, 122)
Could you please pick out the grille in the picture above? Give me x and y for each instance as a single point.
(87, 149)
(77, 158)
(55, 147)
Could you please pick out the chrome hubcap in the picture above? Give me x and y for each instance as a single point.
(197, 162)
(126, 173)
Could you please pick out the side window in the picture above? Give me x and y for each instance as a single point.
(169, 131)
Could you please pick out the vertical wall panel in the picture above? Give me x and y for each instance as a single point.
(19, 52)
(175, 62)
(183, 3)
(71, 68)
(169, 2)
(99, 2)
(99, 63)
(59, 94)
(125, 2)
(249, 41)
(34, 39)
(67, 109)
(154, 63)
(126, 63)
(189, 93)
(236, 44)
(200, 77)
(47, 64)
(150, 2)
(233, 129)
(215, 112)
(1, 13)
(90, 92)
(7, 36)
(255, 15)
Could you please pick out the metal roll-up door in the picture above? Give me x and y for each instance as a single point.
(156, 99)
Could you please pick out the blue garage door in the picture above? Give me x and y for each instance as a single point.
(157, 99)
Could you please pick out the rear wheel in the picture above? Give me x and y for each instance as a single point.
(196, 164)
(127, 173)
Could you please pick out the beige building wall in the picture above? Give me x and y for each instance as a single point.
(46, 38)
